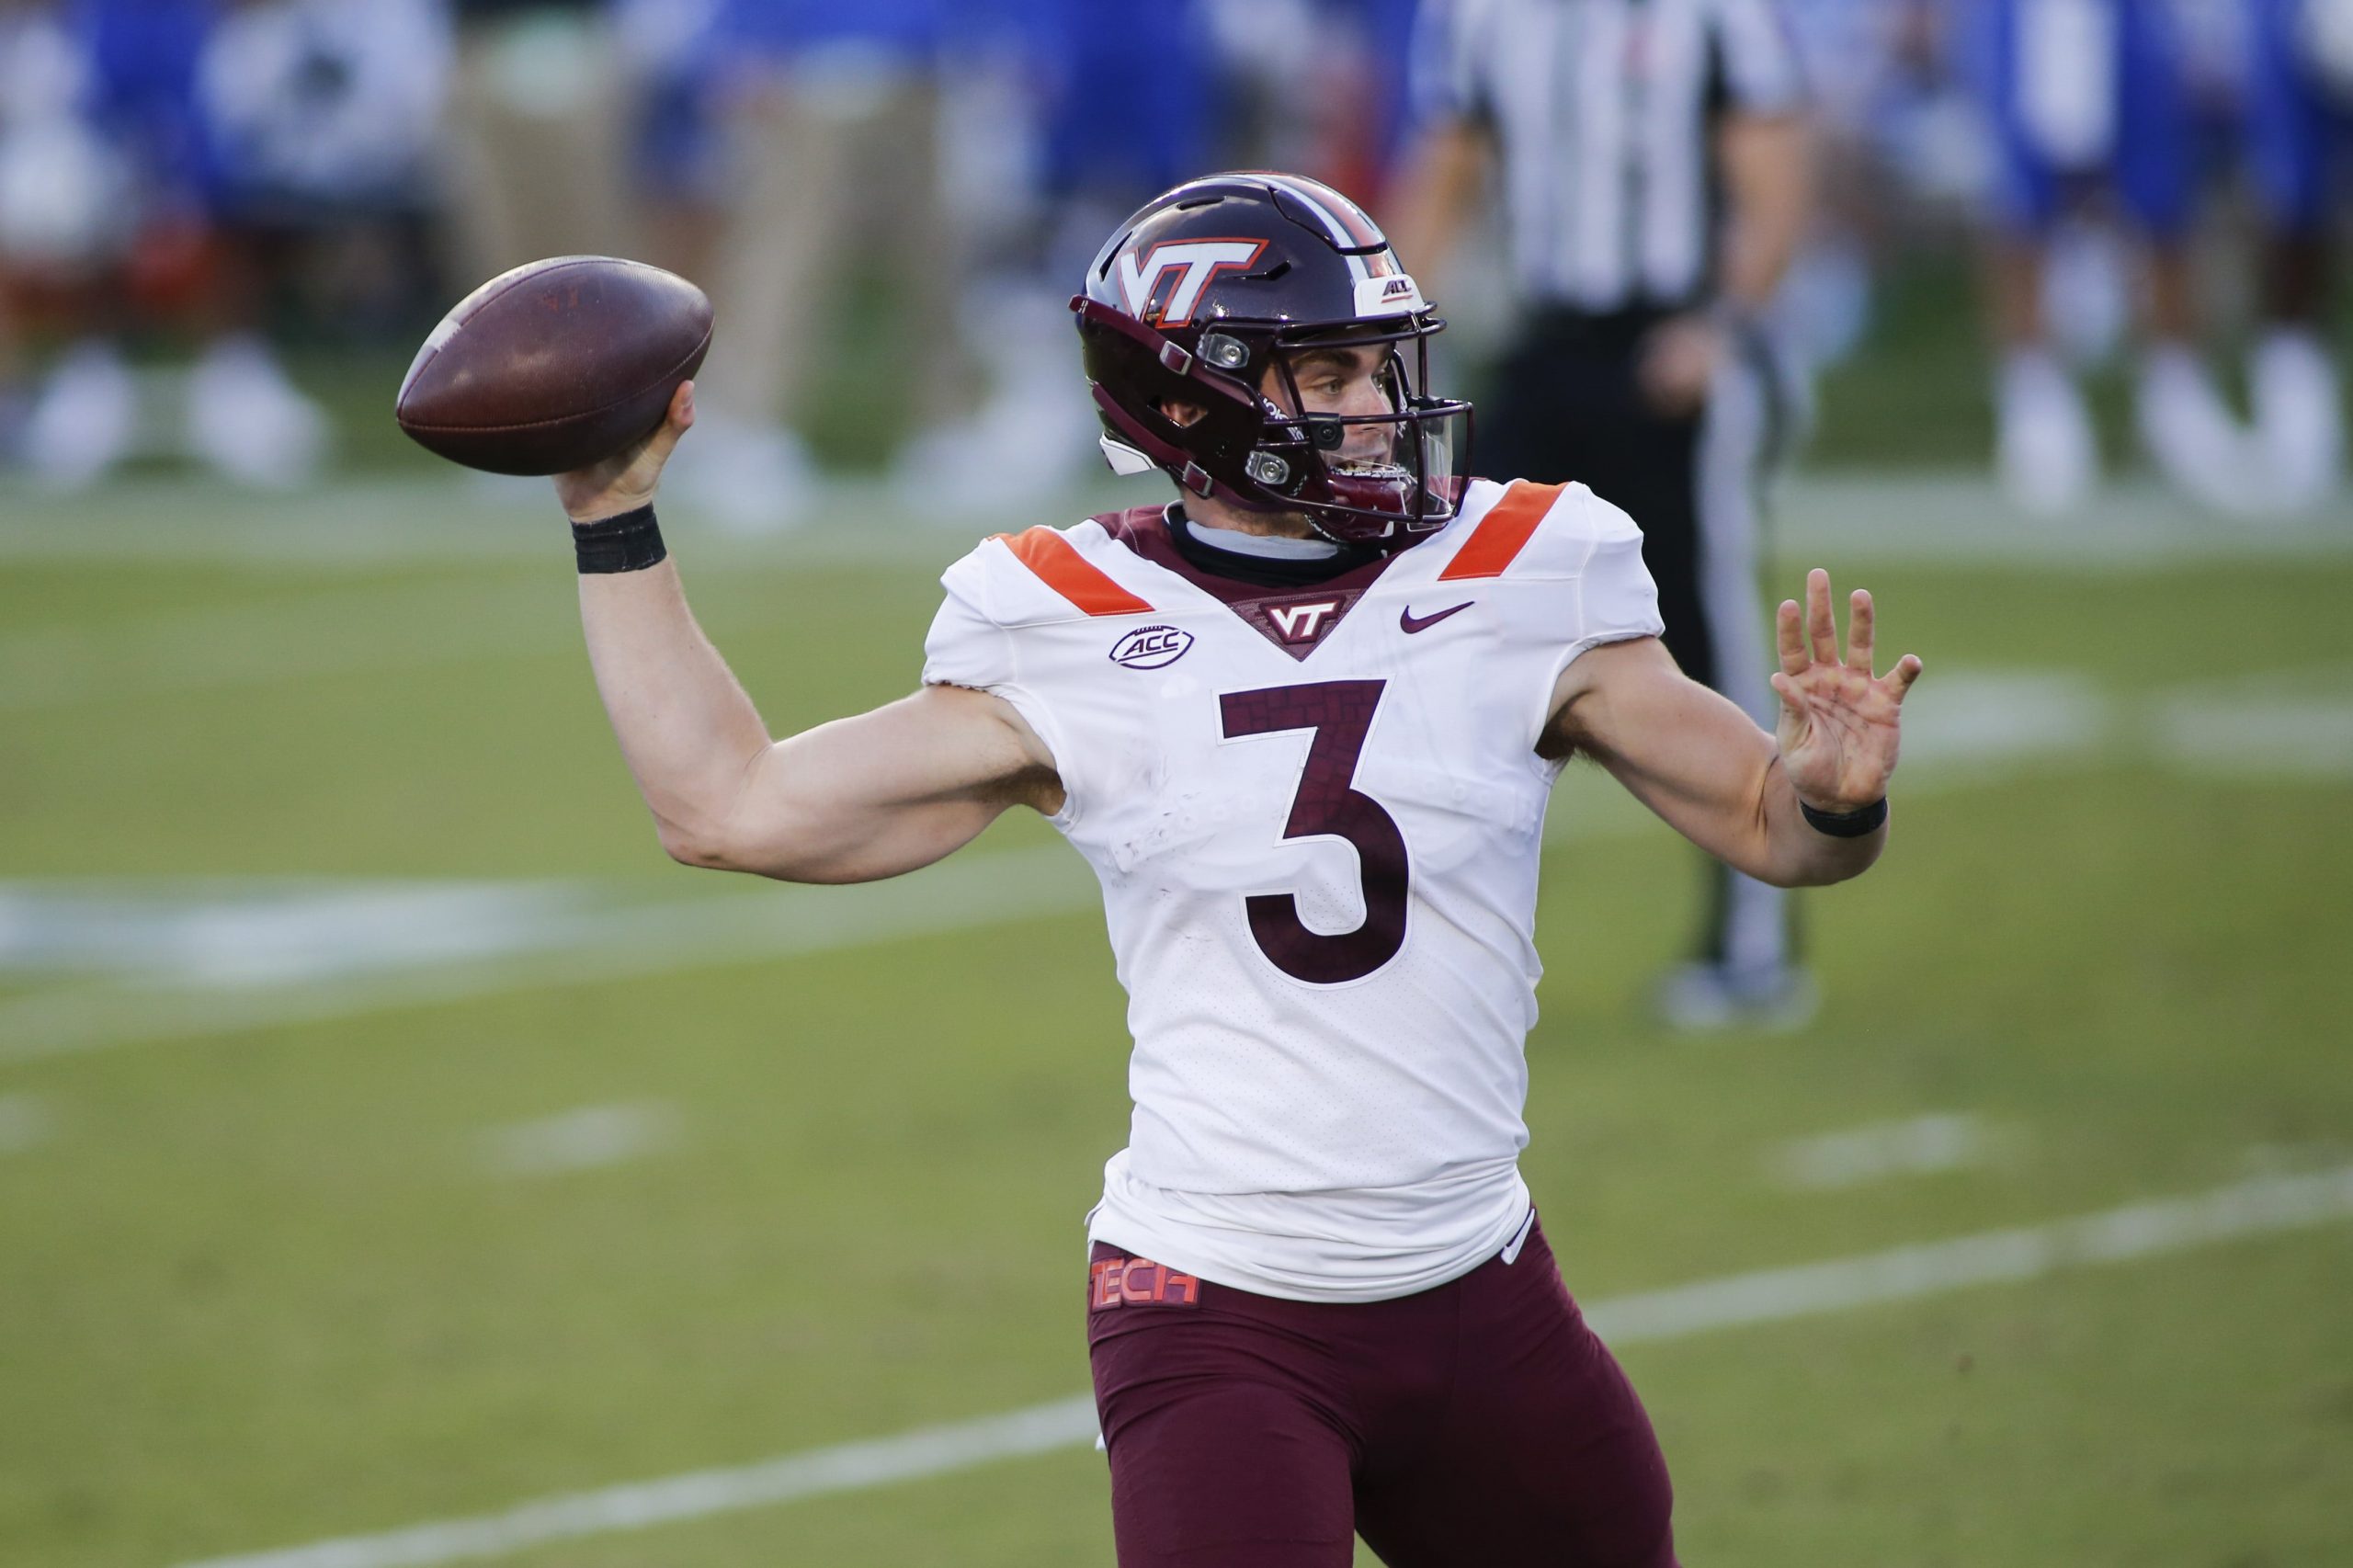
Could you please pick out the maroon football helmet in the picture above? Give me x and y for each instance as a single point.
(1211, 285)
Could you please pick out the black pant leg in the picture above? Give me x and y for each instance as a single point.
(1567, 410)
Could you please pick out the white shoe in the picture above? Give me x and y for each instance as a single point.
(2043, 450)
(1700, 998)
(2299, 421)
(2189, 433)
(83, 421)
(747, 477)
(248, 422)
(2086, 292)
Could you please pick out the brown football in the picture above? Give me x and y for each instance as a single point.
(555, 365)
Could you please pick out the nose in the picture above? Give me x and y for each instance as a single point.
(1367, 443)
(1365, 395)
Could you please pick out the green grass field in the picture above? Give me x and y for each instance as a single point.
(323, 890)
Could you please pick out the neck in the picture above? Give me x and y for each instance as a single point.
(1209, 512)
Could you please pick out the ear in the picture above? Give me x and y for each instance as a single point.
(1181, 413)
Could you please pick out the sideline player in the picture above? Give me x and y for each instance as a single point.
(1304, 725)
(2298, 132)
(2082, 97)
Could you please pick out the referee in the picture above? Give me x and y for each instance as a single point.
(1651, 161)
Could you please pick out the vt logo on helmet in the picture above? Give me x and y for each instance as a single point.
(1187, 264)
(1194, 321)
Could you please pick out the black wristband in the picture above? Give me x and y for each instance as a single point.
(630, 543)
(1856, 823)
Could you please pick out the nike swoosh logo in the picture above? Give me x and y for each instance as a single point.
(1410, 623)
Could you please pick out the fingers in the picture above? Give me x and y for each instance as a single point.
(1821, 627)
(1861, 623)
(674, 424)
(1791, 639)
(1798, 717)
(1898, 679)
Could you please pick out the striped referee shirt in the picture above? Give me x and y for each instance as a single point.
(1602, 111)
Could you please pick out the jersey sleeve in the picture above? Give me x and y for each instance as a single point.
(965, 645)
(1617, 599)
(1575, 578)
(1445, 79)
(1756, 58)
(970, 645)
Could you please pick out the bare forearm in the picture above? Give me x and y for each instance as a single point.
(1719, 783)
(689, 735)
(1770, 176)
(1796, 854)
(1707, 769)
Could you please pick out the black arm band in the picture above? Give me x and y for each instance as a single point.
(1847, 824)
(630, 542)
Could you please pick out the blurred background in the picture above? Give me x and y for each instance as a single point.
(389, 1139)
(224, 226)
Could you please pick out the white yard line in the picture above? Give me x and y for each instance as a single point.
(1972, 727)
(1959, 516)
(1900, 515)
(201, 933)
(771, 923)
(2269, 1205)
(549, 950)
(1919, 1145)
(369, 524)
(590, 1138)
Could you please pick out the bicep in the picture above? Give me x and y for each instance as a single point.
(889, 790)
(1687, 752)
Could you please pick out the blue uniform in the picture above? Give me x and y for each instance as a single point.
(2083, 92)
(908, 32)
(2299, 111)
(144, 56)
(1130, 92)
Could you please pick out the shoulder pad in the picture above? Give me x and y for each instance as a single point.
(1045, 575)
(1536, 530)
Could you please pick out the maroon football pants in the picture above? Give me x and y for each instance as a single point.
(1480, 1424)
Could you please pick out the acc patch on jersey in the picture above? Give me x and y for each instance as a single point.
(1151, 647)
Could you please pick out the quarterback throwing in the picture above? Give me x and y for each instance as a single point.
(1302, 722)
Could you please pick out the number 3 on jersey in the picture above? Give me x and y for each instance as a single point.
(1340, 714)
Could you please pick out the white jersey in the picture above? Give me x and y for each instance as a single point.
(1316, 814)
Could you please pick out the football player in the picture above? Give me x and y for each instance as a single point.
(1303, 723)
(2300, 122)
(2081, 97)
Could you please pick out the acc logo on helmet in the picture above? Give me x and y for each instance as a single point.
(1194, 261)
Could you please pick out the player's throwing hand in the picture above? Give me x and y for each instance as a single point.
(626, 480)
(1839, 723)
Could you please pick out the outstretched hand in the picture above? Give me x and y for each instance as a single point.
(627, 480)
(1838, 724)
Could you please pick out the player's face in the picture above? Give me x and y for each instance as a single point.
(1344, 379)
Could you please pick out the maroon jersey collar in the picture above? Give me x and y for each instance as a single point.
(1296, 618)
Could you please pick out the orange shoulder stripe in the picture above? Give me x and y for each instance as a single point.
(1503, 533)
(1060, 566)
